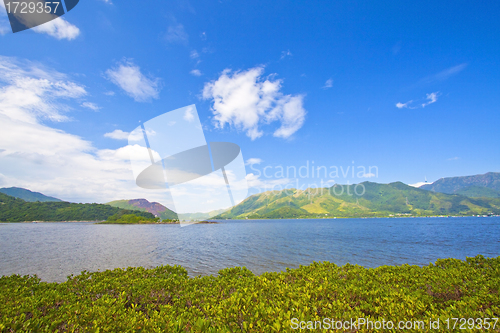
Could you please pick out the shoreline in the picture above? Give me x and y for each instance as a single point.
(215, 221)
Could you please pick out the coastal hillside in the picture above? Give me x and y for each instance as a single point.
(485, 185)
(17, 210)
(144, 205)
(362, 200)
(27, 195)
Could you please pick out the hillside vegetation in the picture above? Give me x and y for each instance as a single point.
(165, 299)
(486, 185)
(363, 200)
(18, 210)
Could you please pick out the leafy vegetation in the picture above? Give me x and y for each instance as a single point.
(18, 210)
(478, 192)
(165, 299)
(121, 218)
(26, 195)
(363, 200)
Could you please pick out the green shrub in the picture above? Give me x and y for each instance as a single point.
(165, 299)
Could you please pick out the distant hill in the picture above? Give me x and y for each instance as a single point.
(487, 185)
(396, 199)
(17, 210)
(144, 205)
(27, 195)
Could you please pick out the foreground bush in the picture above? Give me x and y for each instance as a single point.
(165, 299)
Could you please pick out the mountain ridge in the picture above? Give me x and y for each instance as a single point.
(154, 208)
(376, 200)
(27, 195)
(452, 185)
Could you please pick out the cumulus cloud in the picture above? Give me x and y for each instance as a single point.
(252, 161)
(36, 156)
(118, 134)
(328, 84)
(29, 89)
(58, 28)
(245, 100)
(128, 76)
(195, 72)
(91, 106)
(176, 34)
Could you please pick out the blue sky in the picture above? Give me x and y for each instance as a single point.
(412, 89)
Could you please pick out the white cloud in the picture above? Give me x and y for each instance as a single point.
(403, 105)
(244, 100)
(91, 106)
(117, 135)
(189, 114)
(419, 184)
(35, 156)
(176, 34)
(58, 28)
(454, 158)
(29, 90)
(109, 93)
(432, 98)
(194, 54)
(328, 84)
(252, 161)
(444, 75)
(285, 54)
(195, 72)
(368, 175)
(122, 135)
(128, 76)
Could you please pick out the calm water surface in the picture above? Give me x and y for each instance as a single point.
(55, 250)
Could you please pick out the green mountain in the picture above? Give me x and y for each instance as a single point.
(487, 185)
(17, 210)
(27, 195)
(145, 206)
(478, 192)
(362, 200)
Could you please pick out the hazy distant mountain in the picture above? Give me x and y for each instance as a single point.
(27, 195)
(202, 216)
(487, 185)
(377, 200)
(17, 210)
(144, 205)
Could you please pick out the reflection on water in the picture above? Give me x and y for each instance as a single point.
(55, 250)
